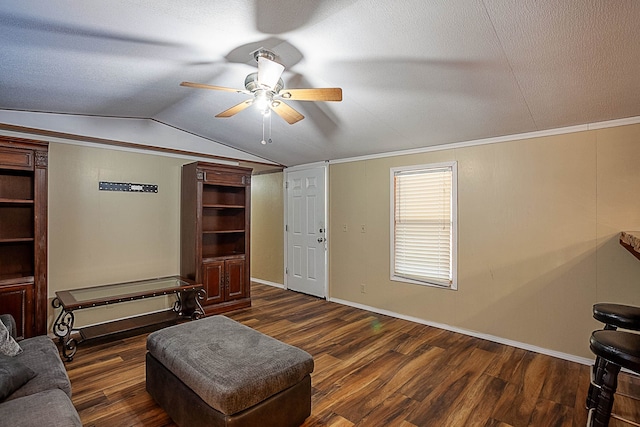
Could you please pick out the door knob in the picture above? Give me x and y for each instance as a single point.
(321, 240)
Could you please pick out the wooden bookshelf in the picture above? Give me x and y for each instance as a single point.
(23, 233)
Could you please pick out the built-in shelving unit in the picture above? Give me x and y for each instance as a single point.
(23, 233)
(215, 220)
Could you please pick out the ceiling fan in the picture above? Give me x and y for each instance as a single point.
(267, 88)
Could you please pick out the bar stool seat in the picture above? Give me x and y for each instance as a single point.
(616, 349)
(618, 315)
(621, 348)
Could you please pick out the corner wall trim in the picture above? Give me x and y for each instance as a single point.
(497, 139)
(265, 282)
(78, 139)
(499, 340)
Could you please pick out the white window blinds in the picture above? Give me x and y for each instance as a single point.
(423, 224)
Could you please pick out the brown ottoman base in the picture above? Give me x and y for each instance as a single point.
(289, 408)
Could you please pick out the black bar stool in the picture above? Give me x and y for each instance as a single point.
(617, 350)
(613, 316)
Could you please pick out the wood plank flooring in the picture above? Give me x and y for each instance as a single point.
(370, 370)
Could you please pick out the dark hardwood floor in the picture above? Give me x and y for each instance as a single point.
(370, 370)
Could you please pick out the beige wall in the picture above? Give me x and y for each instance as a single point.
(267, 235)
(100, 237)
(538, 232)
(538, 226)
(618, 207)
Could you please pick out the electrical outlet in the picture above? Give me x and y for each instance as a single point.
(363, 288)
(344, 228)
(363, 228)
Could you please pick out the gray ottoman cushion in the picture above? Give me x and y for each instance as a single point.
(51, 408)
(230, 366)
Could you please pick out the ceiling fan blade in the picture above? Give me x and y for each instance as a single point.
(236, 109)
(286, 112)
(204, 86)
(269, 72)
(321, 94)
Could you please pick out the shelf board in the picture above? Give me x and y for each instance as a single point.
(226, 255)
(124, 326)
(4, 201)
(16, 240)
(15, 279)
(219, 206)
(222, 231)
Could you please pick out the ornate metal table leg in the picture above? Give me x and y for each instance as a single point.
(177, 304)
(62, 328)
(188, 303)
(199, 311)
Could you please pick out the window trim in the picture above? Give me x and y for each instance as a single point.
(454, 224)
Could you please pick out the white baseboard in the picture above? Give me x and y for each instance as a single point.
(265, 282)
(499, 340)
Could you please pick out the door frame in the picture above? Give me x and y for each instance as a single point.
(324, 165)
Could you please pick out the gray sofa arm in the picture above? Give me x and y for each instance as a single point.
(10, 323)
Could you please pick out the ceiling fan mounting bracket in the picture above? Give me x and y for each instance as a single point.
(264, 53)
(252, 85)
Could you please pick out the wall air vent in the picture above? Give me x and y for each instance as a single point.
(127, 186)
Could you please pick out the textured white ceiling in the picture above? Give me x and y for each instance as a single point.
(414, 73)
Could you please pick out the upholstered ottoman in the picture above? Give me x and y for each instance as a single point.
(218, 372)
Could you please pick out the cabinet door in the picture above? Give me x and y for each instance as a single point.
(17, 300)
(213, 275)
(236, 286)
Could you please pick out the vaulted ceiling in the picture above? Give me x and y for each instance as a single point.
(414, 73)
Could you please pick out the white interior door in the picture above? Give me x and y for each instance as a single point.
(306, 231)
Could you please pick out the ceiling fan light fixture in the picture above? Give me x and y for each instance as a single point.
(263, 99)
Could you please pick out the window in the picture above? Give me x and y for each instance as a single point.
(423, 224)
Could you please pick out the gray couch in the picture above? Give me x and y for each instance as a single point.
(45, 398)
